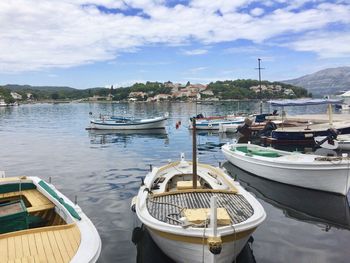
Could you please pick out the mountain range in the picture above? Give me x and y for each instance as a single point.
(330, 81)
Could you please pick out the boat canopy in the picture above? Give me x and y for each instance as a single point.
(304, 102)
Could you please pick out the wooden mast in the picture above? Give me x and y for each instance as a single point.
(194, 154)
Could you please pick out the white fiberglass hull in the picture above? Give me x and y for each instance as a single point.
(183, 252)
(322, 175)
(157, 123)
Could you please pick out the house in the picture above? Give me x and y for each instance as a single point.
(16, 96)
(161, 97)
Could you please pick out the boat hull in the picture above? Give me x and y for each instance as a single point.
(115, 125)
(330, 178)
(184, 252)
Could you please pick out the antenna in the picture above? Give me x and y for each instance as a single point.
(260, 68)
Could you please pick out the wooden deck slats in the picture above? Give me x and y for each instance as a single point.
(37, 200)
(50, 244)
(160, 206)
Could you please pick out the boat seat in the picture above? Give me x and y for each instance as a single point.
(199, 215)
(184, 185)
(38, 202)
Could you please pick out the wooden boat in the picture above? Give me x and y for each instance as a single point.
(213, 123)
(176, 213)
(329, 174)
(118, 123)
(321, 208)
(40, 224)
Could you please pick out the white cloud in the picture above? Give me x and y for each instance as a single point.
(257, 11)
(326, 45)
(195, 52)
(39, 34)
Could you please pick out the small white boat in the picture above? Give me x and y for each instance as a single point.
(213, 123)
(40, 224)
(176, 213)
(329, 174)
(341, 142)
(114, 123)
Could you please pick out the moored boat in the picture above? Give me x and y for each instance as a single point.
(40, 224)
(118, 123)
(214, 123)
(176, 212)
(329, 174)
(341, 141)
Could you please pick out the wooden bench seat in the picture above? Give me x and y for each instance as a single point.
(38, 202)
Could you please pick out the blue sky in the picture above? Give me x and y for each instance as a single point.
(89, 43)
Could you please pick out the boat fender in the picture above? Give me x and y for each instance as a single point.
(136, 235)
(215, 245)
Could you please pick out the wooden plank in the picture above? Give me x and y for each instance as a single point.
(3, 250)
(18, 247)
(39, 247)
(61, 246)
(70, 250)
(71, 240)
(54, 246)
(32, 245)
(25, 245)
(47, 247)
(11, 248)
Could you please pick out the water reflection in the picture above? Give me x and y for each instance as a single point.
(126, 136)
(329, 210)
(149, 252)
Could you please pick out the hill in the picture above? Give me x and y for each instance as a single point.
(15, 87)
(329, 81)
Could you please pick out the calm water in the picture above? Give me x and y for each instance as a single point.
(104, 170)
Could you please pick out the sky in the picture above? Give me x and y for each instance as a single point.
(96, 43)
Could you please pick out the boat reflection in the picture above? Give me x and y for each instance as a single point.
(149, 252)
(125, 136)
(330, 210)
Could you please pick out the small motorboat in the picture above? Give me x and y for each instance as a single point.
(122, 123)
(330, 173)
(40, 224)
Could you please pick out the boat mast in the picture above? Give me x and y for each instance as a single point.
(260, 91)
(194, 154)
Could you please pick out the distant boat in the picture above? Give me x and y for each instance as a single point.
(121, 123)
(330, 174)
(214, 122)
(39, 224)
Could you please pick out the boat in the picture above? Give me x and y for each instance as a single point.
(321, 208)
(121, 123)
(214, 122)
(324, 173)
(305, 133)
(342, 141)
(178, 205)
(39, 224)
(149, 252)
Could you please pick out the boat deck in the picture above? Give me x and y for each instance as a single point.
(165, 205)
(47, 244)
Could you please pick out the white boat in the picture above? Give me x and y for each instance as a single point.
(341, 142)
(228, 128)
(329, 174)
(176, 212)
(213, 123)
(113, 123)
(40, 224)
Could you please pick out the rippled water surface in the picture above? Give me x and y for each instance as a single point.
(104, 170)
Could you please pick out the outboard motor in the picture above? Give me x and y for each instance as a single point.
(332, 135)
(269, 127)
